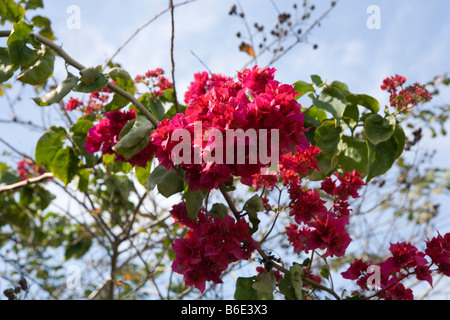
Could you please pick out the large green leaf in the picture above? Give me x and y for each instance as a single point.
(303, 87)
(45, 25)
(91, 79)
(122, 79)
(332, 101)
(10, 11)
(265, 284)
(245, 290)
(328, 137)
(364, 100)
(19, 53)
(354, 155)
(64, 165)
(48, 145)
(59, 93)
(39, 72)
(168, 182)
(378, 129)
(218, 210)
(383, 155)
(136, 138)
(194, 201)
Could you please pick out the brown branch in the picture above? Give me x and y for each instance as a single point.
(12, 187)
(172, 38)
(230, 203)
(142, 27)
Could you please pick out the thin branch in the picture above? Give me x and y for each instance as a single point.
(142, 27)
(172, 38)
(299, 39)
(12, 187)
(230, 203)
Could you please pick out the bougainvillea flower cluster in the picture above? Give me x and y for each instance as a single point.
(155, 81)
(405, 98)
(210, 245)
(96, 101)
(319, 227)
(254, 102)
(406, 261)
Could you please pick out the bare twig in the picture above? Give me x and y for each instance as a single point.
(172, 38)
(143, 27)
(12, 187)
(303, 36)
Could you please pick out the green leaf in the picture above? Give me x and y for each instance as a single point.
(158, 107)
(383, 155)
(19, 53)
(64, 165)
(354, 155)
(81, 180)
(252, 206)
(315, 116)
(331, 100)
(265, 284)
(81, 127)
(124, 81)
(378, 129)
(56, 95)
(245, 290)
(286, 287)
(11, 11)
(326, 165)
(325, 271)
(48, 145)
(89, 75)
(218, 210)
(91, 80)
(328, 138)
(136, 139)
(41, 70)
(45, 25)
(142, 174)
(156, 176)
(172, 183)
(78, 248)
(34, 4)
(317, 80)
(291, 284)
(296, 272)
(303, 87)
(6, 70)
(341, 86)
(364, 100)
(194, 201)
